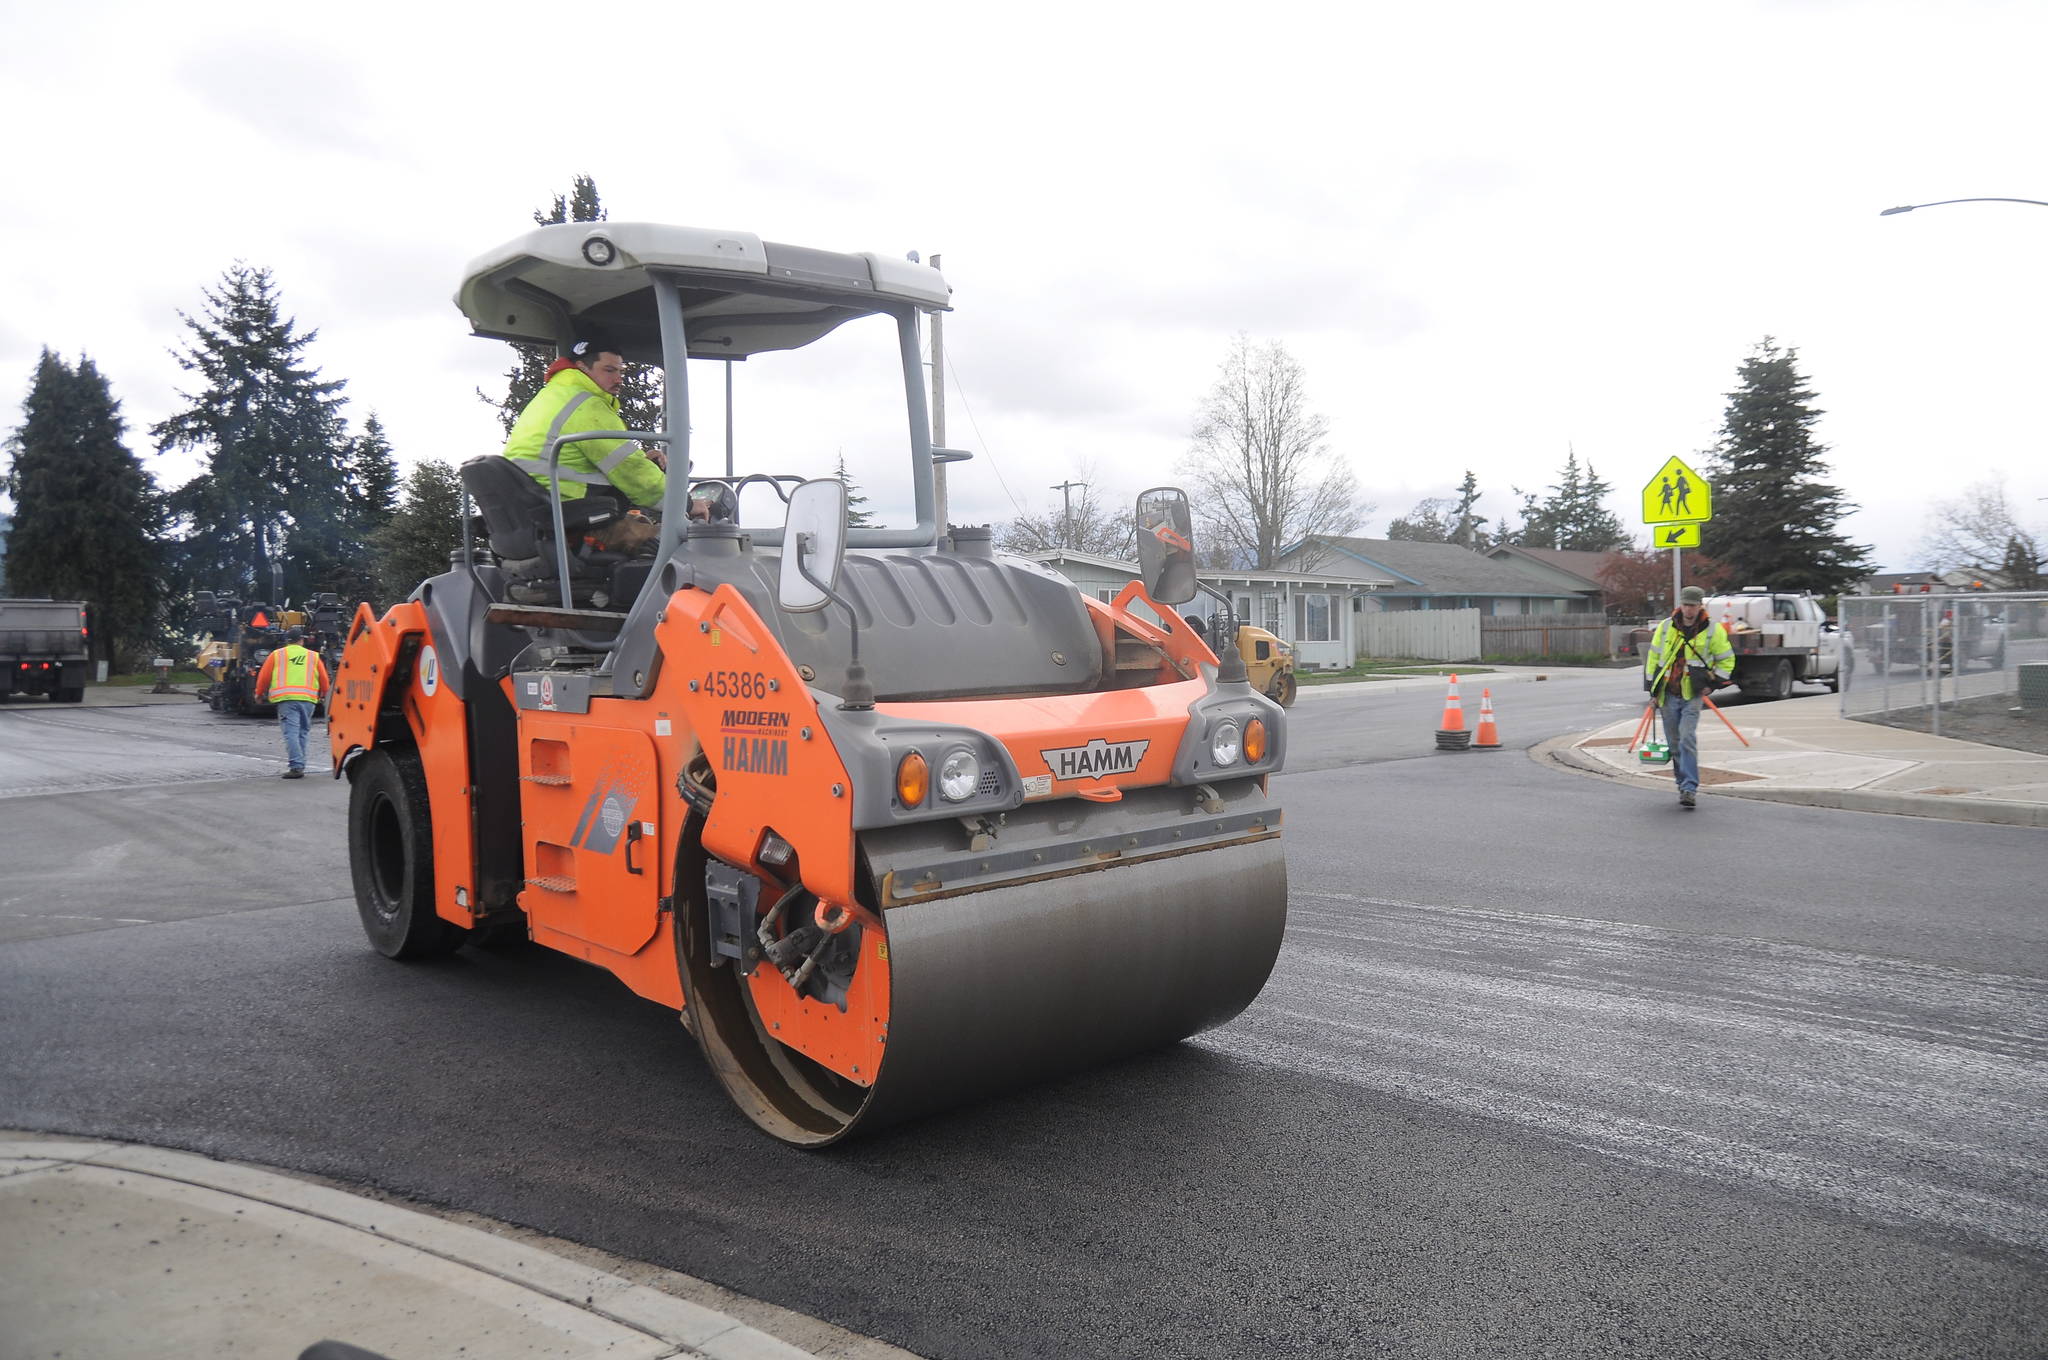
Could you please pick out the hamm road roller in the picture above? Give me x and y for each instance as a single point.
(890, 819)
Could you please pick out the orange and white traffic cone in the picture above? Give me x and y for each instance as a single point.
(1452, 735)
(1487, 738)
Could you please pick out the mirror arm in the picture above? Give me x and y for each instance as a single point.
(857, 693)
(1229, 661)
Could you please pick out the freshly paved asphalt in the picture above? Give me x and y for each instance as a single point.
(1547, 1067)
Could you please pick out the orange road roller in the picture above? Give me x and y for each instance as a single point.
(891, 819)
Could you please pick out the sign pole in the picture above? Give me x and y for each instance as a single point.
(1676, 553)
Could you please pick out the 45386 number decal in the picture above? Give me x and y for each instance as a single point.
(736, 684)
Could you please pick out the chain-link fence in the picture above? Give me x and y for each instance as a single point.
(1946, 664)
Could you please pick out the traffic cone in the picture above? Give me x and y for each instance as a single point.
(1487, 738)
(1452, 735)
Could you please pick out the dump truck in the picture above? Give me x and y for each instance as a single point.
(889, 819)
(45, 648)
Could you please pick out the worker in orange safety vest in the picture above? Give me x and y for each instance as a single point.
(295, 679)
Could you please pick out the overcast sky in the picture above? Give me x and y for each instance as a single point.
(1491, 232)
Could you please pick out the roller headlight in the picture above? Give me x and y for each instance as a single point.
(1224, 744)
(959, 776)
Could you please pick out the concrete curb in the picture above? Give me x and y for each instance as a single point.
(419, 1245)
(1563, 752)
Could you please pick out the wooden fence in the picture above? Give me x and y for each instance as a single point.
(1426, 634)
(1545, 635)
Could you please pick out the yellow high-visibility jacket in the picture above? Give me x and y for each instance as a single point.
(1709, 649)
(570, 404)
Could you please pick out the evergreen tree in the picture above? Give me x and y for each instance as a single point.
(274, 492)
(372, 496)
(1538, 526)
(639, 394)
(1468, 529)
(1774, 517)
(87, 517)
(1574, 515)
(426, 527)
(1579, 512)
(372, 477)
(856, 516)
(1428, 522)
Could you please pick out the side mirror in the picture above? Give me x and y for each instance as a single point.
(1166, 544)
(813, 545)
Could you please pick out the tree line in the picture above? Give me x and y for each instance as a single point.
(289, 501)
(1265, 481)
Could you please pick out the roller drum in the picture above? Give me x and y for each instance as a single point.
(995, 987)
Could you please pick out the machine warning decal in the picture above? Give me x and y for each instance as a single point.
(430, 672)
(756, 740)
(1037, 785)
(1094, 760)
(547, 691)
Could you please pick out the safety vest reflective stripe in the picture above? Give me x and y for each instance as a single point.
(295, 677)
(563, 474)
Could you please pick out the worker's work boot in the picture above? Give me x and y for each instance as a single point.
(1686, 798)
(293, 774)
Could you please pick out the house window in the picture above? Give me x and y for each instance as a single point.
(1275, 618)
(1315, 620)
(1106, 596)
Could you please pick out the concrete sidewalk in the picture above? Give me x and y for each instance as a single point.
(111, 1250)
(1804, 751)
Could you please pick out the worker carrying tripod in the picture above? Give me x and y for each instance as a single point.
(1689, 657)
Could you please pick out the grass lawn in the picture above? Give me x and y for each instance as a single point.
(178, 677)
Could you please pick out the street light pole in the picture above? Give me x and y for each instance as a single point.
(1911, 206)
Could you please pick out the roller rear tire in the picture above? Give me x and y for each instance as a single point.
(1283, 690)
(391, 859)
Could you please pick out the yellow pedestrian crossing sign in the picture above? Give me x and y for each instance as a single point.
(1677, 495)
(1676, 535)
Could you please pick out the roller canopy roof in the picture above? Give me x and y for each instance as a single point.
(741, 295)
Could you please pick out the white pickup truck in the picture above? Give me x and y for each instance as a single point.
(1780, 639)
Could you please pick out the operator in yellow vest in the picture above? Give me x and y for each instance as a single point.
(294, 678)
(1689, 657)
(579, 396)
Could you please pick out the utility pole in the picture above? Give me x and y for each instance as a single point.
(1066, 490)
(939, 410)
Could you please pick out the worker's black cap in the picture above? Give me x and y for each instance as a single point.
(1692, 595)
(294, 634)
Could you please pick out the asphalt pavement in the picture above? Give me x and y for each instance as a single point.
(115, 1248)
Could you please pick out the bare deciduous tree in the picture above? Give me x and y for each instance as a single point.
(1099, 522)
(1980, 532)
(1261, 477)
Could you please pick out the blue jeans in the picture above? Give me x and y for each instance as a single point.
(295, 716)
(1682, 733)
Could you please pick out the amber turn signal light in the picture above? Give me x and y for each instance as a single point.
(913, 780)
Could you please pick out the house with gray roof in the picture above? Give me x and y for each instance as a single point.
(1578, 572)
(1433, 576)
